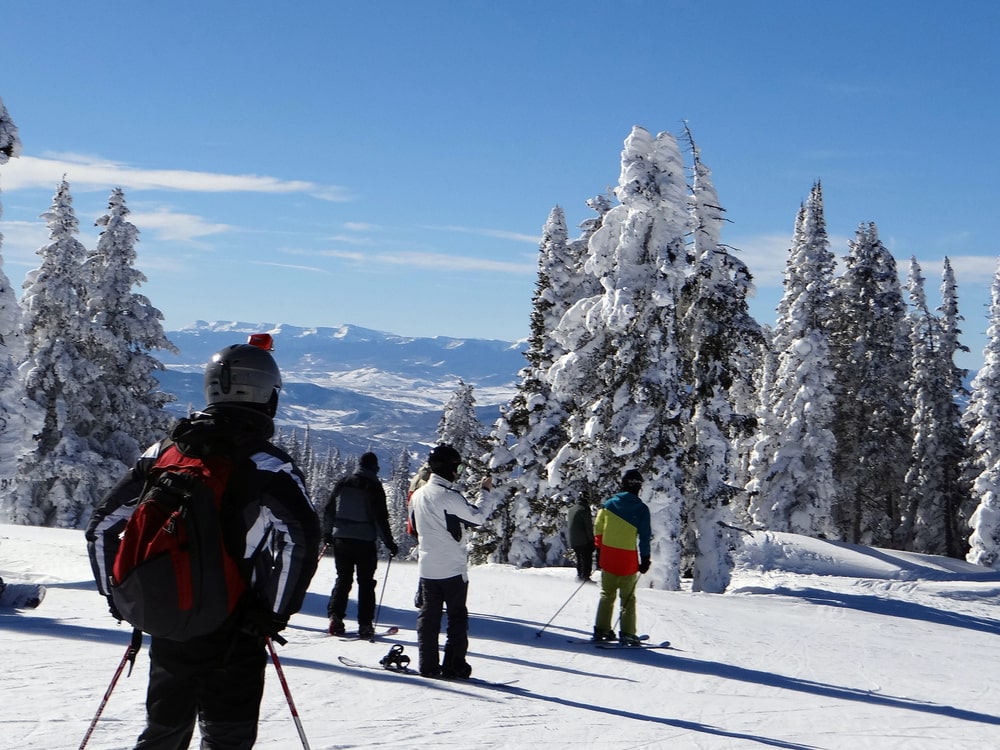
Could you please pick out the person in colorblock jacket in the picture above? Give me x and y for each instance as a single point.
(622, 534)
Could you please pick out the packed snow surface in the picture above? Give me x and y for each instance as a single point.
(815, 645)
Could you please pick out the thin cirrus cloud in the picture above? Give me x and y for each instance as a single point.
(499, 233)
(432, 261)
(90, 173)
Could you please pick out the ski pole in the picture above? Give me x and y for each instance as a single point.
(326, 546)
(129, 657)
(288, 694)
(385, 580)
(539, 633)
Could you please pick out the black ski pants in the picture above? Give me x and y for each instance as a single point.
(354, 557)
(584, 560)
(218, 679)
(440, 594)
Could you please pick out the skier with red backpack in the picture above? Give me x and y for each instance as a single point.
(209, 544)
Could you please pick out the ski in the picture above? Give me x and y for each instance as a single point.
(616, 645)
(355, 636)
(624, 647)
(509, 685)
(643, 637)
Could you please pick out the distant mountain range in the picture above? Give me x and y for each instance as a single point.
(355, 388)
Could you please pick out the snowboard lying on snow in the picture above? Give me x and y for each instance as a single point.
(21, 595)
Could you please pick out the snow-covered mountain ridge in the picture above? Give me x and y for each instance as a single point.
(353, 386)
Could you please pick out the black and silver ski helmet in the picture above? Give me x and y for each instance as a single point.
(243, 374)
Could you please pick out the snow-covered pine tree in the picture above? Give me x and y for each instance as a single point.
(621, 366)
(793, 486)
(720, 345)
(525, 514)
(397, 491)
(15, 428)
(935, 490)
(10, 142)
(958, 502)
(871, 357)
(460, 428)
(982, 423)
(59, 480)
(127, 400)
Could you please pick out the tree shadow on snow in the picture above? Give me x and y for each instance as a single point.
(881, 605)
(781, 682)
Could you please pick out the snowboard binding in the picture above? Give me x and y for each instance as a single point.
(395, 659)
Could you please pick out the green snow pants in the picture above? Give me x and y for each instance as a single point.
(623, 586)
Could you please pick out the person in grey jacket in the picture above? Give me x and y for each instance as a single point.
(356, 516)
(439, 516)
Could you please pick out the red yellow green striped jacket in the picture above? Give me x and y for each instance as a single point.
(622, 534)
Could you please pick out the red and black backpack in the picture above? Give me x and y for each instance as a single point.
(173, 575)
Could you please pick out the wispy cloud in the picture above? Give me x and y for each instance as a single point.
(177, 227)
(90, 173)
(424, 260)
(292, 266)
(500, 233)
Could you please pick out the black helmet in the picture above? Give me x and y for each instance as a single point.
(243, 374)
(444, 460)
(632, 481)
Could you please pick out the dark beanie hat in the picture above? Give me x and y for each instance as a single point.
(632, 480)
(369, 461)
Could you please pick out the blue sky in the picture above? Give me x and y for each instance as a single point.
(391, 164)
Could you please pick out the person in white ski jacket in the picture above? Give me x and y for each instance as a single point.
(439, 516)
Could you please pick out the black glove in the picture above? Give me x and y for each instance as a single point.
(328, 539)
(393, 548)
(644, 565)
(259, 620)
(113, 609)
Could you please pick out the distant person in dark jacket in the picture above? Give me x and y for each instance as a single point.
(580, 531)
(622, 533)
(356, 516)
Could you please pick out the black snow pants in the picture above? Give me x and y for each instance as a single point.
(218, 679)
(440, 594)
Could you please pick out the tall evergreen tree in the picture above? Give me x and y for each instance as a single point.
(792, 485)
(982, 422)
(525, 514)
(621, 366)
(397, 496)
(15, 425)
(10, 142)
(935, 490)
(720, 345)
(460, 428)
(127, 400)
(871, 358)
(61, 478)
